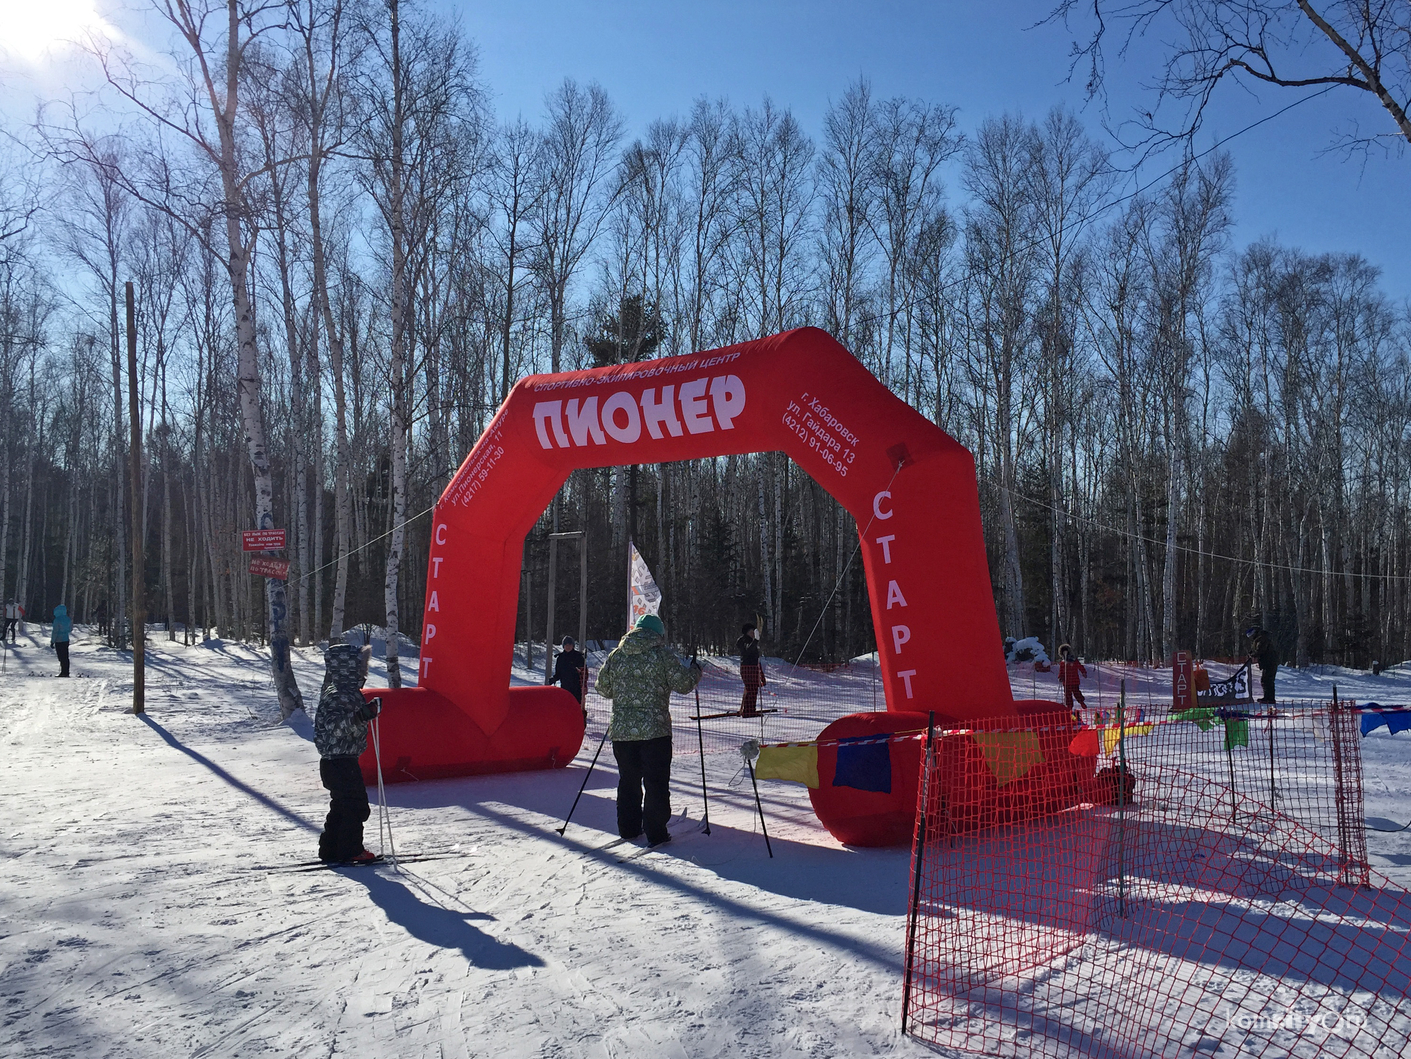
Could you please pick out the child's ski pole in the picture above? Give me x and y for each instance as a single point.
(384, 818)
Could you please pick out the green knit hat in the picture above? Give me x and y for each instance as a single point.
(652, 624)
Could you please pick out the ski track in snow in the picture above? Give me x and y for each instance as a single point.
(131, 923)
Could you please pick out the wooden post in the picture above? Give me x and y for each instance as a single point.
(549, 617)
(918, 855)
(581, 536)
(139, 577)
(528, 612)
(583, 597)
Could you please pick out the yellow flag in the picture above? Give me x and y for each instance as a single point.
(1009, 754)
(798, 764)
(1111, 736)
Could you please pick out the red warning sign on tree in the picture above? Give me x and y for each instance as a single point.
(271, 540)
(263, 567)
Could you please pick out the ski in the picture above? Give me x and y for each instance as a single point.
(611, 845)
(320, 865)
(661, 847)
(731, 713)
(674, 829)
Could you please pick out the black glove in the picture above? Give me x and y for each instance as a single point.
(370, 709)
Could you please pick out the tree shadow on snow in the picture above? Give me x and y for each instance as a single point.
(869, 880)
(436, 925)
(201, 759)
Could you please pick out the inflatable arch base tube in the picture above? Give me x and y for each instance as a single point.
(425, 736)
(973, 798)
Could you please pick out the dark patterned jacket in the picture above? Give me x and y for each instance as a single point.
(340, 725)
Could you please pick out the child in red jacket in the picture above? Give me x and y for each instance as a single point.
(1070, 672)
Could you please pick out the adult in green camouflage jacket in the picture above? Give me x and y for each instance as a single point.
(639, 677)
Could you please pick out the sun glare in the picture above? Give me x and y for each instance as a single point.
(36, 30)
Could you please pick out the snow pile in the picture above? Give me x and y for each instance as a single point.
(1028, 649)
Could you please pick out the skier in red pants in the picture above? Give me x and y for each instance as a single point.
(1070, 672)
(751, 671)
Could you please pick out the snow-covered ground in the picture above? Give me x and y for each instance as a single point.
(147, 909)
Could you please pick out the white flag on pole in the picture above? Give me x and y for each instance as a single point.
(643, 595)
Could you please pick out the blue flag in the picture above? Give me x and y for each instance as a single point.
(1373, 718)
(865, 764)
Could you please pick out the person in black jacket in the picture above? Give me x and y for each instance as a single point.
(751, 671)
(340, 735)
(1264, 651)
(571, 670)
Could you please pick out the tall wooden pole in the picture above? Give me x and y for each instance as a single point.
(139, 577)
(549, 610)
(583, 595)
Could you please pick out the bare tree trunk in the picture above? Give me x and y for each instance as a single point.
(401, 310)
(1168, 574)
(248, 362)
(342, 466)
(166, 537)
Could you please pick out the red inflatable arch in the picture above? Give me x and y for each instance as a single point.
(909, 485)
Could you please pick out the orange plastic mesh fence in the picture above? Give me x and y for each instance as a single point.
(1201, 888)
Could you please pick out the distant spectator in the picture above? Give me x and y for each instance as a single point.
(1264, 651)
(751, 670)
(571, 670)
(59, 637)
(14, 614)
(1070, 672)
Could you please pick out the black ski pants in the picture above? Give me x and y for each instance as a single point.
(62, 651)
(1266, 679)
(342, 837)
(643, 764)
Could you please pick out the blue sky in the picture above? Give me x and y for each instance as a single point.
(655, 58)
(984, 58)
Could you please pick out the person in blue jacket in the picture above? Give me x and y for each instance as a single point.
(59, 634)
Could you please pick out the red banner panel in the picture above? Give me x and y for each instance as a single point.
(276, 568)
(271, 540)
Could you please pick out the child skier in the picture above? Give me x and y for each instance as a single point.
(1070, 672)
(340, 734)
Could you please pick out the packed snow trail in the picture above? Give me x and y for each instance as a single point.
(132, 925)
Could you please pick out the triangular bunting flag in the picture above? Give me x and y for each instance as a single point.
(1009, 755)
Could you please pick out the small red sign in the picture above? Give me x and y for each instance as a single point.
(263, 567)
(262, 540)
